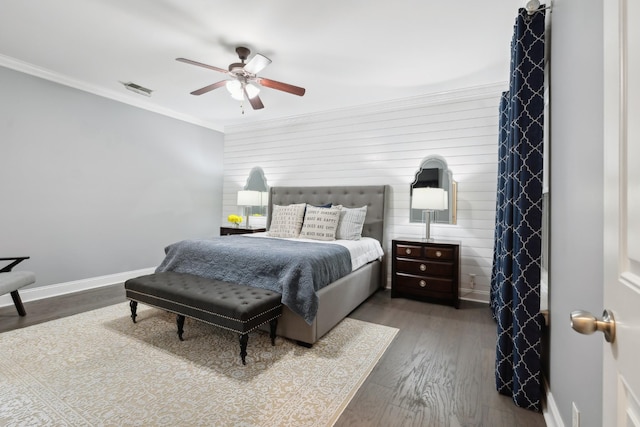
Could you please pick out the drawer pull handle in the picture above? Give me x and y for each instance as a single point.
(438, 254)
(408, 251)
(423, 283)
(423, 267)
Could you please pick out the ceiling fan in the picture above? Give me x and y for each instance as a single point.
(243, 76)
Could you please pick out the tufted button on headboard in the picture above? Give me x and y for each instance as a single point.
(373, 196)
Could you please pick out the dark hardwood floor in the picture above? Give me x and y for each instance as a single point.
(61, 306)
(437, 372)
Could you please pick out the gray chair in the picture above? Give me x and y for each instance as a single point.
(11, 281)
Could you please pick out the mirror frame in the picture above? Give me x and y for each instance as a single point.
(445, 176)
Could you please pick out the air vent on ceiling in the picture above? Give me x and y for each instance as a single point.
(137, 88)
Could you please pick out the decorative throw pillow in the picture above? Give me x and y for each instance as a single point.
(320, 223)
(351, 223)
(327, 205)
(286, 221)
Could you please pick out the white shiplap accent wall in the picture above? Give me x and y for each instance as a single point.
(385, 144)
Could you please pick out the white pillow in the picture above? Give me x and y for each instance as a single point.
(286, 221)
(351, 223)
(320, 223)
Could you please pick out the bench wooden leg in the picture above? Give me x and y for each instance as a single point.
(18, 303)
(180, 323)
(244, 339)
(134, 307)
(272, 330)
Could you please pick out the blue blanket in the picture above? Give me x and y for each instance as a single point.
(297, 270)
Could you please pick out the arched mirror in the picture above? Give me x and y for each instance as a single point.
(435, 173)
(257, 182)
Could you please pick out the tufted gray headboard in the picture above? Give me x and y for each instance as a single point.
(373, 196)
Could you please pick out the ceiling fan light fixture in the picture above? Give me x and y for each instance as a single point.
(252, 90)
(235, 89)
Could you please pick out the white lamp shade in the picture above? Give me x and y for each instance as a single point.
(429, 198)
(249, 198)
(264, 201)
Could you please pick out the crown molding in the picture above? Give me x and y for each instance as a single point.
(43, 73)
(464, 94)
(493, 90)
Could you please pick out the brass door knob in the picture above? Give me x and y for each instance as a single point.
(586, 323)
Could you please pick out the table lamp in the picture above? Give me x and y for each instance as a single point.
(247, 199)
(429, 199)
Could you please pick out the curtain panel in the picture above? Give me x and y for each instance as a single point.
(515, 279)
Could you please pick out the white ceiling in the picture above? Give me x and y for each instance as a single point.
(345, 53)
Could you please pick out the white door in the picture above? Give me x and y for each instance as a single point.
(621, 371)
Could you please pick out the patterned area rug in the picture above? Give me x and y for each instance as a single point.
(98, 368)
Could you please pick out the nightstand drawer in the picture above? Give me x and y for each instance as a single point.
(424, 285)
(408, 251)
(425, 268)
(439, 253)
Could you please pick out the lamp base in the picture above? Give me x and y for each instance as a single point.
(427, 222)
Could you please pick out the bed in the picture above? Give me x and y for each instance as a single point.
(331, 303)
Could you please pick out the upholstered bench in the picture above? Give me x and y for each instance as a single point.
(227, 305)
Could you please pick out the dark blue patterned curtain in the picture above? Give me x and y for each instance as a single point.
(515, 279)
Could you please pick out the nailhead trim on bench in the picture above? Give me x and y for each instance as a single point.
(208, 312)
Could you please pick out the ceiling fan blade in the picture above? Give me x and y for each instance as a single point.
(285, 87)
(209, 88)
(200, 64)
(255, 102)
(257, 64)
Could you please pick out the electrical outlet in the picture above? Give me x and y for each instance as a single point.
(472, 280)
(575, 415)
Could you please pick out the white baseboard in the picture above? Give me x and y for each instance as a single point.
(42, 292)
(550, 409)
(474, 295)
(468, 295)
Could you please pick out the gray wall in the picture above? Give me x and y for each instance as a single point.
(576, 257)
(93, 187)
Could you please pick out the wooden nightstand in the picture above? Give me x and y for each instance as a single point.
(226, 231)
(426, 270)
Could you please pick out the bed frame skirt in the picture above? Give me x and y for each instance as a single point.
(336, 301)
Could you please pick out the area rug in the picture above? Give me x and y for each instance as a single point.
(100, 369)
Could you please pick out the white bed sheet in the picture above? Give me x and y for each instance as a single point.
(362, 251)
